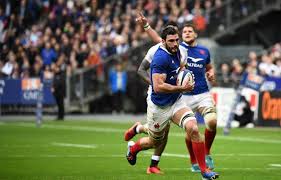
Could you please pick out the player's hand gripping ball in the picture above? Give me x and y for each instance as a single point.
(184, 77)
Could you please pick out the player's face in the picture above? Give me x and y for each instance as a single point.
(172, 43)
(188, 35)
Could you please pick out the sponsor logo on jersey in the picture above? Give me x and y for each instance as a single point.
(195, 65)
(195, 59)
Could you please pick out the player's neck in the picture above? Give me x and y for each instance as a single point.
(194, 43)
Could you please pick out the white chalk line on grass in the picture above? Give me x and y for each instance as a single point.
(62, 156)
(219, 155)
(91, 146)
(274, 167)
(145, 154)
(115, 130)
(218, 168)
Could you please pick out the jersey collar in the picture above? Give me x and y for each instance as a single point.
(187, 45)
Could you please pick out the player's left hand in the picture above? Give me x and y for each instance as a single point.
(210, 76)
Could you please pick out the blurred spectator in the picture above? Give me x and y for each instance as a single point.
(95, 60)
(224, 74)
(82, 55)
(266, 67)
(118, 86)
(58, 89)
(48, 54)
(252, 63)
(236, 72)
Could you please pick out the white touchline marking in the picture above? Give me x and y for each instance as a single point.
(221, 155)
(75, 145)
(275, 165)
(218, 168)
(63, 156)
(67, 156)
(82, 128)
(248, 139)
(237, 138)
(113, 130)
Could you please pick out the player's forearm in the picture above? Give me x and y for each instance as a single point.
(167, 88)
(210, 69)
(153, 35)
(142, 71)
(144, 75)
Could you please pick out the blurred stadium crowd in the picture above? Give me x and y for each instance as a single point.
(36, 36)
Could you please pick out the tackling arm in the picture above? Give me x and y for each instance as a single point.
(142, 71)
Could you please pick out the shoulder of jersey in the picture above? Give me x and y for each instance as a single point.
(202, 47)
(161, 52)
(154, 48)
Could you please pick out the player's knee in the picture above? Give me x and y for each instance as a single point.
(211, 125)
(186, 118)
(210, 117)
(192, 129)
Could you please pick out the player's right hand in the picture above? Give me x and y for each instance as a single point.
(188, 87)
(141, 19)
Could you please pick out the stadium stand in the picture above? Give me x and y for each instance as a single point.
(93, 34)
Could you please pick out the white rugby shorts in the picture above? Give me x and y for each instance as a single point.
(158, 117)
(200, 100)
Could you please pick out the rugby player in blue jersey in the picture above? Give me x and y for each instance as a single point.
(166, 104)
(199, 99)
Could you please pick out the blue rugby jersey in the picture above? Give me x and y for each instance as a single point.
(198, 58)
(164, 62)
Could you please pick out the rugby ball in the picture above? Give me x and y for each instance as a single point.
(184, 77)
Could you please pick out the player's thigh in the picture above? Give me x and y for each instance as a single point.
(157, 120)
(182, 113)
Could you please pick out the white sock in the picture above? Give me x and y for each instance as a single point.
(156, 158)
(138, 128)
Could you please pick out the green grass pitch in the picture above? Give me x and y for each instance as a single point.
(86, 150)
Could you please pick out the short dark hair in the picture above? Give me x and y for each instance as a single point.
(168, 30)
(172, 23)
(190, 25)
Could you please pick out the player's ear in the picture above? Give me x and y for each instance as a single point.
(196, 35)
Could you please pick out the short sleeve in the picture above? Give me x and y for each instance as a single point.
(159, 64)
(151, 52)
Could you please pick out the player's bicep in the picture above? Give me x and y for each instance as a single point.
(158, 80)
